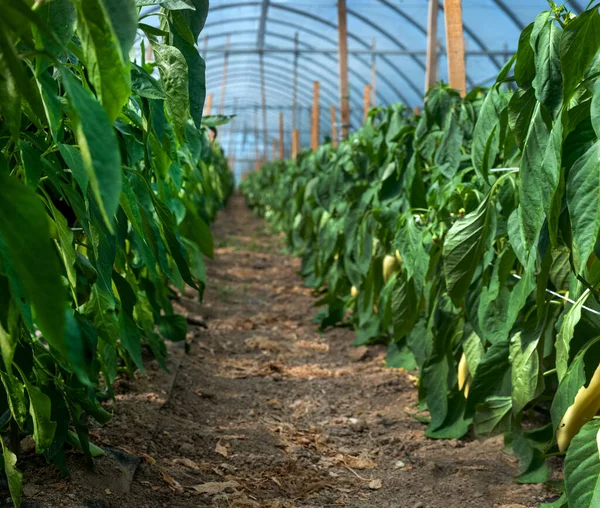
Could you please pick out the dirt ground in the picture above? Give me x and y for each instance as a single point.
(266, 411)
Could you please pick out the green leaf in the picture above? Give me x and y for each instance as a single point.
(13, 475)
(195, 19)
(525, 64)
(491, 415)
(582, 468)
(123, 18)
(33, 256)
(195, 229)
(520, 111)
(61, 17)
(447, 158)
(400, 357)
(82, 341)
(98, 145)
(107, 69)
(216, 120)
(405, 305)
(76, 164)
(579, 44)
(486, 136)
(545, 40)
(539, 176)
(40, 409)
(174, 76)
(565, 334)
(583, 201)
(173, 328)
(145, 85)
(464, 246)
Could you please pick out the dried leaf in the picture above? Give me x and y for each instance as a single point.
(212, 488)
(222, 450)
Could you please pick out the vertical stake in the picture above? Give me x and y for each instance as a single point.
(205, 47)
(295, 143)
(315, 135)
(455, 45)
(208, 105)
(281, 140)
(257, 161)
(224, 82)
(343, 61)
(431, 70)
(274, 149)
(334, 134)
(367, 100)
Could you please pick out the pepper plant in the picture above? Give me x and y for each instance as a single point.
(108, 181)
(491, 206)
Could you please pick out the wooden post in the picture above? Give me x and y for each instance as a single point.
(367, 100)
(295, 143)
(224, 82)
(208, 104)
(373, 73)
(455, 45)
(274, 156)
(343, 60)
(281, 140)
(315, 134)
(431, 70)
(334, 135)
(295, 81)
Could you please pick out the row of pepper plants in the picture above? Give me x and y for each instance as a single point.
(466, 237)
(108, 182)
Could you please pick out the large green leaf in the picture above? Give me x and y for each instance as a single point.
(579, 44)
(464, 246)
(174, 76)
(25, 228)
(539, 175)
(13, 475)
(98, 145)
(582, 468)
(583, 200)
(108, 71)
(565, 334)
(545, 40)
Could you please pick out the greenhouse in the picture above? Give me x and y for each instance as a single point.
(274, 254)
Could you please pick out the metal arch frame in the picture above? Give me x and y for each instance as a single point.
(423, 30)
(322, 77)
(278, 79)
(333, 94)
(381, 76)
(325, 22)
(278, 91)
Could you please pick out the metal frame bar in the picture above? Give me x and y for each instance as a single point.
(382, 76)
(322, 77)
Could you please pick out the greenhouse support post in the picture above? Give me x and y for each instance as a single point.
(274, 154)
(263, 97)
(455, 46)
(314, 138)
(208, 104)
(281, 140)
(295, 143)
(367, 100)
(343, 61)
(334, 135)
(431, 69)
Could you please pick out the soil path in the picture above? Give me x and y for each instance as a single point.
(267, 412)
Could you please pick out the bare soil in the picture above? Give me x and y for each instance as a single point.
(266, 411)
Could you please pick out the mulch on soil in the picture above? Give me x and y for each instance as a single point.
(265, 411)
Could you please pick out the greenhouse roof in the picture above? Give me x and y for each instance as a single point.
(259, 37)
